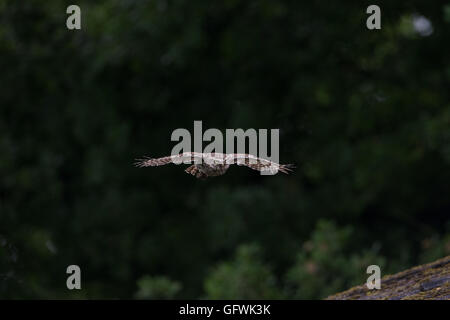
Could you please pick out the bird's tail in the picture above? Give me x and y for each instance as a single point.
(195, 172)
(192, 170)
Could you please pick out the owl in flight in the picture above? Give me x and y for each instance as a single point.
(216, 164)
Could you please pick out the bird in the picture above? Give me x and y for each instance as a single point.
(215, 164)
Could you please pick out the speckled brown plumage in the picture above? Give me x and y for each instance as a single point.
(216, 164)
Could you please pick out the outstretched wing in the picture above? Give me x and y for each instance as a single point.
(259, 164)
(186, 157)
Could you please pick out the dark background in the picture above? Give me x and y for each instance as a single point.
(365, 116)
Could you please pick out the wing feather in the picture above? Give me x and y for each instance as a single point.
(241, 159)
(259, 164)
(186, 157)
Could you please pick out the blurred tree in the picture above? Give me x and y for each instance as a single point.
(247, 277)
(157, 288)
(325, 265)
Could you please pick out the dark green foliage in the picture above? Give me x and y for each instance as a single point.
(157, 288)
(325, 265)
(364, 114)
(247, 277)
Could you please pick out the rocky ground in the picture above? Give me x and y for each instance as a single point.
(426, 282)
